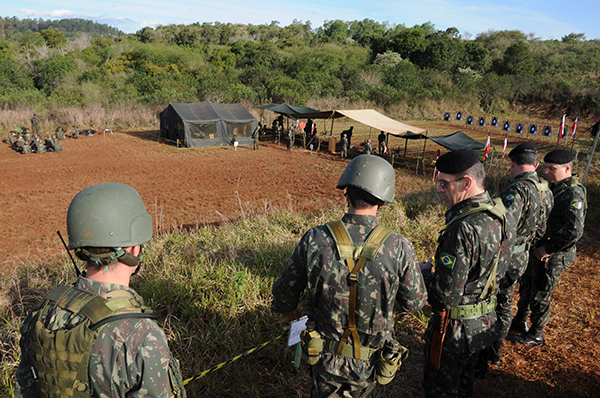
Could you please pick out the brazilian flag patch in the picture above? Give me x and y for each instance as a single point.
(510, 197)
(576, 204)
(447, 260)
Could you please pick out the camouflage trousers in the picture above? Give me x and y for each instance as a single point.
(255, 144)
(344, 153)
(538, 283)
(327, 385)
(506, 290)
(454, 378)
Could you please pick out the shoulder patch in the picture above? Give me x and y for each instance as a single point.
(447, 260)
(510, 197)
(576, 204)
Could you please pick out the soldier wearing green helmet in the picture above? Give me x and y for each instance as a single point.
(97, 338)
(354, 270)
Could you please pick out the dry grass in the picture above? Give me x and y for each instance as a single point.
(211, 286)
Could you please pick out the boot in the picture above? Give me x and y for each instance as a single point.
(494, 353)
(519, 323)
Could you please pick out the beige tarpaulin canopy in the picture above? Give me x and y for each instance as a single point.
(381, 122)
(370, 117)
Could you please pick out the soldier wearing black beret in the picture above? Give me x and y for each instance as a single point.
(528, 201)
(467, 258)
(555, 252)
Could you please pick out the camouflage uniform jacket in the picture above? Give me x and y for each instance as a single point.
(392, 276)
(465, 257)
(527, 210)
(566, 221)
(130, 358)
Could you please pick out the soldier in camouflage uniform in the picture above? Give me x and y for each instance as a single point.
(391, 275)
(528, 201)
(256, 136)
(290, 138)
(555, 252)
(99, 315)
(35, 126)
(467, 267)
(368, 147)
(344, 144)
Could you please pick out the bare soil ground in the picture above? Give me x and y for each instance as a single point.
(181, 187)
(185, 187)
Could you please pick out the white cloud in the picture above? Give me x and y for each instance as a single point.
(28, 11)
(60, 13)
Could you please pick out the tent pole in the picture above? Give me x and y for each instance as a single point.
(424, 146)
(405, 145)
(596, 135)
(418, 158)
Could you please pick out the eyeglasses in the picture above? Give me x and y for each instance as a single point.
(444, 184)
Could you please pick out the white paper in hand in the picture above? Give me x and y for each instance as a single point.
(296, 327)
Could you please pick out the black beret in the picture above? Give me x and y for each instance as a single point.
(525, 147)
(559, 156)
(457, 161)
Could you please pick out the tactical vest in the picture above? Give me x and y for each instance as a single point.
(560, 189)
(542, 187)
(362, 252)
(482, 307)
(60, 358)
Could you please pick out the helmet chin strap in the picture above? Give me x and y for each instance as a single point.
(119, 254)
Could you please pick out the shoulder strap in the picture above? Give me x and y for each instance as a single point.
(367, 252)
(499, 211)
(98, 308)
(574, 181)
(541, 185)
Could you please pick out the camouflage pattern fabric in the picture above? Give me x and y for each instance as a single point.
(456, 375)
(256, 136)
(326, 385)
(315, 265)
(35, 126)
(565, 228)
(368, 148)
(464, 259)
(344, 144)
(528, 213)
(129, 359)
(290, 139)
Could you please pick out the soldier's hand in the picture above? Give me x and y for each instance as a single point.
(293, 315)
(425, 266)
(540, 253)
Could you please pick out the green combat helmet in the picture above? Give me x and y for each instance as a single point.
(109, 215)
(372, 174)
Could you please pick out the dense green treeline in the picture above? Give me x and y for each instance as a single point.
(365, 61)
(14, 27)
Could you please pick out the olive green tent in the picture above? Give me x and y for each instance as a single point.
(206, 124)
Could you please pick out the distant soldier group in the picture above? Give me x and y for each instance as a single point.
(26, 141)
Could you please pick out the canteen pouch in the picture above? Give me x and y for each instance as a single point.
(387, 365)
(312, 346)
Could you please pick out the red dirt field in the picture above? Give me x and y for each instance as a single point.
(180, 187)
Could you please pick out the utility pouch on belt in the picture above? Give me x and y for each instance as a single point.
(389, 361)
(312, 344)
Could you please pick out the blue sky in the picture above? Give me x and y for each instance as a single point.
(545, 19)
